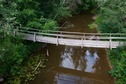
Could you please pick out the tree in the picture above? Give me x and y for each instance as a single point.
(12, 51)
(57, 9)
(11, 57)
(7, 16)
(118, 59)
(111, 17)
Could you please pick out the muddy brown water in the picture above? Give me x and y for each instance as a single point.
(75, 65)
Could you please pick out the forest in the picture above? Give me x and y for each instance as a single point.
(46, 15)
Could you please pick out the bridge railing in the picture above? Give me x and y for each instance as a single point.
(66, 32)
(106, 38)
(76, 35)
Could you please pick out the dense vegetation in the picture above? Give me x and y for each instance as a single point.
(111, 18)
(118, 59)
(14, 52)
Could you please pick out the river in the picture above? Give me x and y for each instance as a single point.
(75, 65)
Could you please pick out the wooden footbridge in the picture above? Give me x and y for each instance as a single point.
(98, 40)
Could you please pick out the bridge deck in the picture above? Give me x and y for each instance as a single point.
(73, 42)
(98, 40)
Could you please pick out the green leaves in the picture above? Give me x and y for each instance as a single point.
(62, 12)
(112, 14)
(26, 70)
(118, 60)
(43, 23)
(51, 25)
(28, 13)
(11, 57)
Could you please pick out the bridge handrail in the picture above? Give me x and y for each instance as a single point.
(101, 40)
(66, 32)
(73, 36)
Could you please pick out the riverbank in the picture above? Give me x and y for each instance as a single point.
(31, 65)
(117, 58)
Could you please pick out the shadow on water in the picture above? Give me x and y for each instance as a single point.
(75, 65)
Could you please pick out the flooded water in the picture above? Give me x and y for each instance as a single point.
(75, 65)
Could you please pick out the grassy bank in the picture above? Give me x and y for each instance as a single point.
(118, 59)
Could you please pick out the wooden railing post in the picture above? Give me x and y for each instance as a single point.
(34, 36)
(84, 36)
(15, 31)
(57, 41)
(110, 42)
(61, 35)
(82, 42)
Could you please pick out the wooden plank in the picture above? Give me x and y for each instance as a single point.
(72, 41)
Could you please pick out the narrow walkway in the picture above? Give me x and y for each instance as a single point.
(97, 40)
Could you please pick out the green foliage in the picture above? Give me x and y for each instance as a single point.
(62, 12)
(11, 53)
(32, 46)
(7, 16)
(41, 14)
(50, 25)
(27, 12)
(43, 23)
(92, 26)
(55, 9)
(118, 59)
(87, 4)
(111, 17)
(11, 57)
(27, 72)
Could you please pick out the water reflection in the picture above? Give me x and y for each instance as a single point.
(70, 58)
(66, 58)
(91, 61)
(71, 79)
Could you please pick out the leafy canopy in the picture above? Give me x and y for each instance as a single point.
(112, 16)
